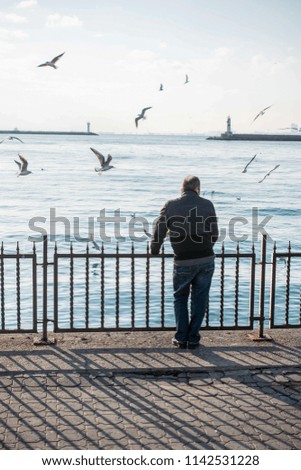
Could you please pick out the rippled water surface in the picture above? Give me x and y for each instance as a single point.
(64, 196)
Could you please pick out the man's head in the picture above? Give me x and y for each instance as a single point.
(191, 183)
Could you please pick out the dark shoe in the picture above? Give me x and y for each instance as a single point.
(193, 345)
(179, 344)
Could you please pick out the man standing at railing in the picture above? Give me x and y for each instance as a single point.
(192, 225)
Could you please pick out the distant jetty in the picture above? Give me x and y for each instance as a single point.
(17, 131)
(228, 135)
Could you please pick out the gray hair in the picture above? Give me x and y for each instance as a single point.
(191, 183)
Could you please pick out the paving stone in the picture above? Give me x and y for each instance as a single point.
(29, 436)
(71, 434)
(237, 445)
(108, 419)
(70, 380)
(68, 405)
(5, 382)
(31, 396)
(5, 395)
(70, 419)
(35, 381)
(34, 421)
(65, 393)
(211, 431)
(294, 442)
(293, 376)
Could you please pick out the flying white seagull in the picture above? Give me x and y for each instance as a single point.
(245, 169)
(51, 63)
(104, 163)
(261, 113)
(23, 166)
(141, 115)
(186, 80)
(12, 138)
(268, 174)
(161, 87)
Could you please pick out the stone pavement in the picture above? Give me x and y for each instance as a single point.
(135, 391)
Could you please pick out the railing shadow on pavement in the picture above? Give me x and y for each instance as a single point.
(91, 398)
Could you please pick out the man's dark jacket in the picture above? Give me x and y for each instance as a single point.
(192, 225)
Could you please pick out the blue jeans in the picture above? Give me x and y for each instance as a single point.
(196, 279)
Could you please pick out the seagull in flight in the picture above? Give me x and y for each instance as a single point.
(268, 174)
(245, 169)
(161, 87)
(141, 115)
(186, 80)
(94, 243)
(23, 166)
(261, 113)
(147, 233)
(104, 163)
(51, 63)
(12, 138)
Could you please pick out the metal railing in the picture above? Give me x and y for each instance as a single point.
(11, 281)
(88, 291)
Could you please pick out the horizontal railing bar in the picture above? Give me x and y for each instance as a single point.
(110, 255)
(145, 328)
(16, 330)
(286, 325)
(287, 254)
(16, 255)
(143, 255)
(113, 328)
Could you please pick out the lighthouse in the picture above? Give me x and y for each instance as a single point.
(229, 131)
(88, 127)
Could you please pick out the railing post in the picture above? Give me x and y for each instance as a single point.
(262, 286)
(45, 284)
(45, 339)
(263, 262)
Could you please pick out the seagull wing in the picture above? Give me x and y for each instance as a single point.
(147, 233)
(24, 163)
(263, 179)
(144, 111)
(256, 117)
(43, 65)
(109, 159)
(17, 138)
(253, 158)
(136, 120)
(95, 245)
(100, 157)
(275, 168)
(19, 164)
(264, 109)
(55, 59)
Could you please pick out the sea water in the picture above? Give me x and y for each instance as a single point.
(66, 199)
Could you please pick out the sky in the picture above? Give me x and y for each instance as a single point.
(240, 56)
